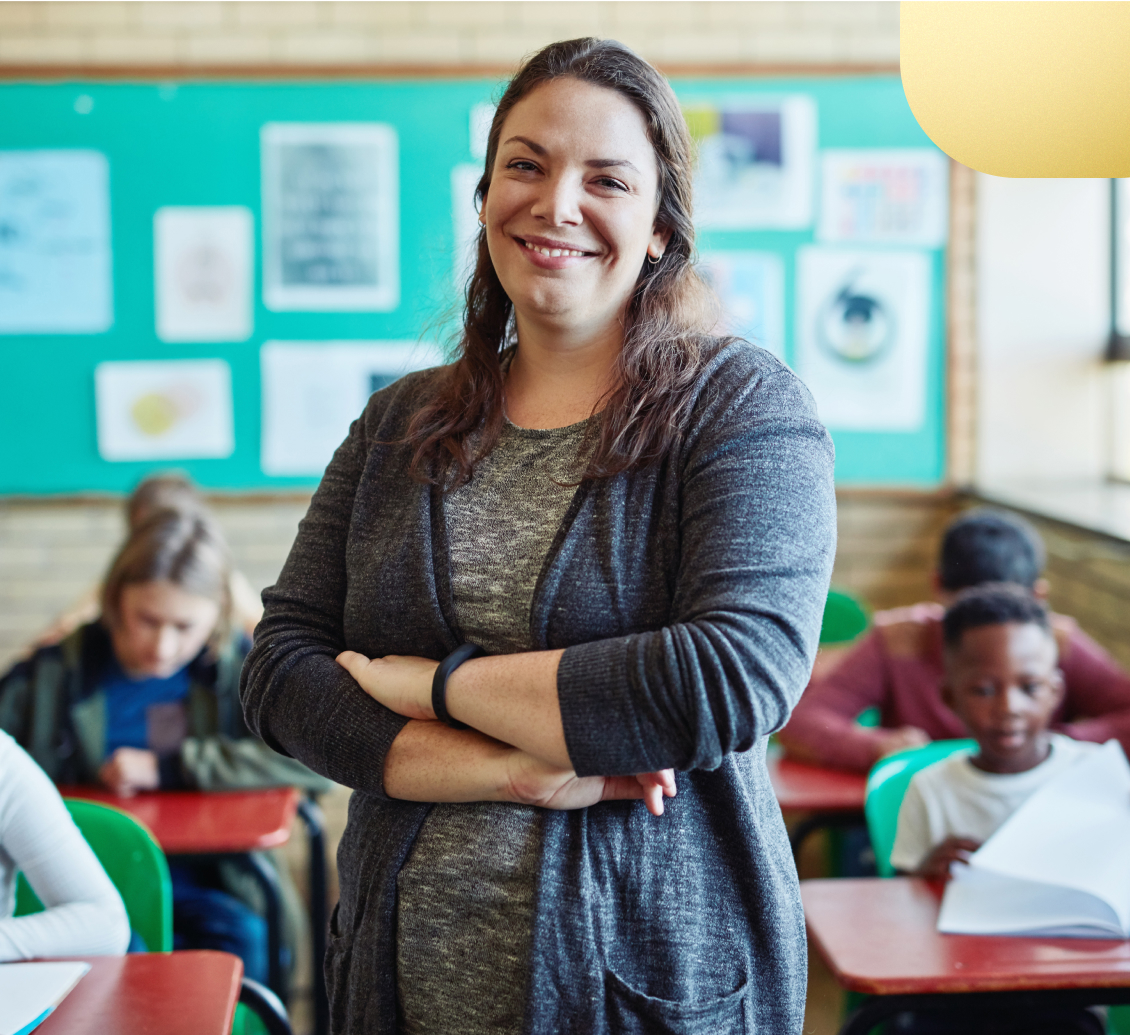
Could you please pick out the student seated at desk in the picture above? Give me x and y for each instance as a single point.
(1002, 681)
(147, 698)
(170, 491)
(898, 666)
(84, 915)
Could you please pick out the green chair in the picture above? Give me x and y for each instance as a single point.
(134, 863)
(886, 785)
(845, 617)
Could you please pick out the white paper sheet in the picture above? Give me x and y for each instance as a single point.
(755, 161)
(204, 273)
(331, 210)
(55, 262)
(862, 334)
(167, 410)
(465, 222)
(29, 991)
(313, 391)
(482, 115)
(751, 287)
(1060, 861)
(891, 196)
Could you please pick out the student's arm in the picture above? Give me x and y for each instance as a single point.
(913, 837)
(823, 727)
(84, 915)
(1097, 690)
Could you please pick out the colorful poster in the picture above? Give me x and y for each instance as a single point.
(55, 261)
(164, 410)
(204, 273)
(313, 391)
(751, 287)
(465, 222)
(891, 196)
(755, 162)
(331, 213)
(862, 336)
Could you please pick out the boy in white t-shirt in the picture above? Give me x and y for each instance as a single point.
(1002, 680)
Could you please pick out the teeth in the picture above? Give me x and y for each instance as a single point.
(551, 251)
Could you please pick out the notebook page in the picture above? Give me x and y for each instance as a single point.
(29, 991)
(1073, 833)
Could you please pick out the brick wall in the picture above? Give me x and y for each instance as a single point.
(208, 32)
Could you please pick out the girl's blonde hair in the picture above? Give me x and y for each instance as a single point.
(184, 548)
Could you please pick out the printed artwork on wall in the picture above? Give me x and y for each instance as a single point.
(56, 274)
(312, 392)
(464, 221)
(164, 409)
(751, 287)
(862, 336)
(755, 162)
(890, 196)
(330, 217)
(205, 269)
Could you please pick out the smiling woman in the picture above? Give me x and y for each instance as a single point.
(533, 584)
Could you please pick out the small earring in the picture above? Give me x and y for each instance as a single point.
(656, 260)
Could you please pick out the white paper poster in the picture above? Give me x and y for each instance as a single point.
(313, 391)
(755, 162)
(464, 221)
(893, 196)
(164, 410)
(482, 115)
(55, 262)
(862, 334)
(204, 273)
(330, 217)
(751, 286)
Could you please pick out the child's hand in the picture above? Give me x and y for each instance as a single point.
(953, 849)
(129, 770)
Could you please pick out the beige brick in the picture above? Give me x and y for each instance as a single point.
(720, 14)
(277, 14)
(873, 47)
(134, 49)
(428, 48)
(229, 48)
(467, 14)
(709, 47)
(186, 14)
(42, 50)
(671, 14)
(324, 47)
(793, 46)
(108, 14)
(381, 14)
(507, 47)
(21, 15)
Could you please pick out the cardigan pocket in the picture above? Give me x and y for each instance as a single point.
(631, 1012)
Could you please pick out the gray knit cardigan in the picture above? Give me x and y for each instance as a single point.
(688, 596)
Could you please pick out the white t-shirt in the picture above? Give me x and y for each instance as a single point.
(84, 915)
(953, 798)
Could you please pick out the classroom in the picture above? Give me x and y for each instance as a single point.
(524, 516)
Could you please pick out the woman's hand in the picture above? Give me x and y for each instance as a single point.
(532, 782)
(953, 849)
(401, 684)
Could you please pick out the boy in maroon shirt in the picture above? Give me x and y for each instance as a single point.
(898, 666)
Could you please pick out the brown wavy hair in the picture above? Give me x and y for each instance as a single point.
(668, 318)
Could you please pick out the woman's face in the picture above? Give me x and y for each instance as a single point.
(570, 213)
(160, 628)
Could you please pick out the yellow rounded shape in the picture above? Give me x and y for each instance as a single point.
(1021, 87)
(154, 413)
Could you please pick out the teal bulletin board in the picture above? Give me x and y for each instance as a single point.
(199, 144)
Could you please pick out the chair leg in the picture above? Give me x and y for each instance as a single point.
(267, 1006)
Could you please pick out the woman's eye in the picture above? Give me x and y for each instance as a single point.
(607, 181)
(521, 164)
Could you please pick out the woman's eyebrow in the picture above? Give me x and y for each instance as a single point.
(592, 163)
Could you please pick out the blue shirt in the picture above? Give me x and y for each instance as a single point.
(128, 702)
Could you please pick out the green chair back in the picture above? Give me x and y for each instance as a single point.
(845, 618)
(134, 863)
(886, 785)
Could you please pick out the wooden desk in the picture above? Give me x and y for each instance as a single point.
(833, 796)
(174, 993)
(879, 936)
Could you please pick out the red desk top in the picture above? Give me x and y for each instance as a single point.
(174, 993)
(879, 935)
(802, 787)
(197, 822)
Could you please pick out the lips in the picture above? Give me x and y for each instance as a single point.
(549, 254)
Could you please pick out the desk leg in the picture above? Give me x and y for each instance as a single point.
(312, 817)
(268, 880)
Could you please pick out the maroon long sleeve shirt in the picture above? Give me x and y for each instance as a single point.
(898, 668)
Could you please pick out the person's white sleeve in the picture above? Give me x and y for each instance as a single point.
(83, 914)
(912, 837)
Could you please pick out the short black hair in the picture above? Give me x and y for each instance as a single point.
(992, 604)
(986, 545)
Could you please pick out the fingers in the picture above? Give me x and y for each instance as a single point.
(352, 662)
(653, 798)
